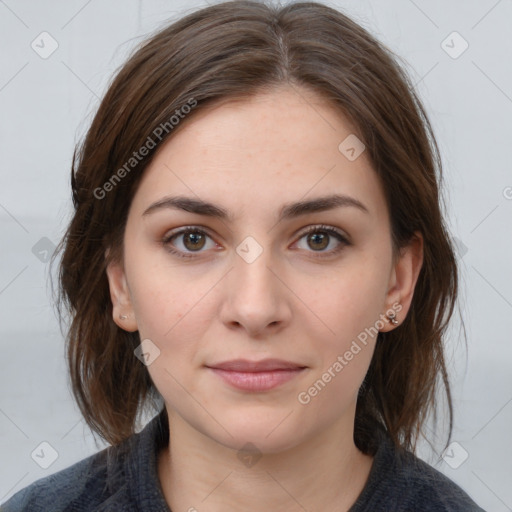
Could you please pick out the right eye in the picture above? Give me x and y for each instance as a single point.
(190, 240)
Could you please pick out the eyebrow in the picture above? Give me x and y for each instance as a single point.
(288, 210)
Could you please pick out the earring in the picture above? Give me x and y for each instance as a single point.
(392, 318)
(123, 317)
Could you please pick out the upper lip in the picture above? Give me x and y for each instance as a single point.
(244, 365)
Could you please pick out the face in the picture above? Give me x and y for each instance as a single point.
(257, 276)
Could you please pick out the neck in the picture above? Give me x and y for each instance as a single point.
(326, 472)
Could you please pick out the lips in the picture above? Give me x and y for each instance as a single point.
(256, 376)
(246, 366)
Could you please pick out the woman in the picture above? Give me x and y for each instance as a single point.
(257, 250)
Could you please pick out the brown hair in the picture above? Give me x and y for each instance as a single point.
(230, 51)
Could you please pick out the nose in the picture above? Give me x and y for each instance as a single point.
(255, 297)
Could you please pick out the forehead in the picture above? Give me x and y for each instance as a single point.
(267, 150)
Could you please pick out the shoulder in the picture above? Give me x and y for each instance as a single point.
(400, 481)
(425, 488)
(84, 486)
(121, 477)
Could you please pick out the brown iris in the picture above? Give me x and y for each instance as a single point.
(320, 240)
(193, 240)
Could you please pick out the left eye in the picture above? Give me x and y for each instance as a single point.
(319, 238)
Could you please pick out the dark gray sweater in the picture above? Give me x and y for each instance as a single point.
(125, 479)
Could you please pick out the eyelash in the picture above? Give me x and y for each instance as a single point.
(312, 229)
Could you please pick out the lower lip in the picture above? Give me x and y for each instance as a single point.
(257, 381)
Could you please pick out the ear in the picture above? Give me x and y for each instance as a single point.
(402, 282)
(122, 308)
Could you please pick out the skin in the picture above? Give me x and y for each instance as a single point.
(251, 158)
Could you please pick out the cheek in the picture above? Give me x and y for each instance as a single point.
(165, 295)
(176, 314)
(175, 321)
(352, 301)
(351, 308)
(170, 318)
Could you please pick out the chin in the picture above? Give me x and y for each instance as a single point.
(269, 433)
(258, 441)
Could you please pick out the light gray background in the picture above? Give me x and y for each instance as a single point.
(47, 104)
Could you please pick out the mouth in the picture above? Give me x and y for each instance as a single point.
(256, 376)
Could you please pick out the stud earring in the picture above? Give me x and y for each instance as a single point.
(392, 318)
(123, 317)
